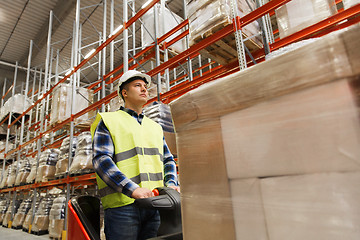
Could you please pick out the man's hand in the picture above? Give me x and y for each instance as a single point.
(142, 193)
(177, 188)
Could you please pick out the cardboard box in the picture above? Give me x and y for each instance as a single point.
(297, 114)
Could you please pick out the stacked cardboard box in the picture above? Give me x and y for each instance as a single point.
(82, 162)
(272, 152)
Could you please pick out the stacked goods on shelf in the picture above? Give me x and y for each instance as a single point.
(15, 104)
(47, 163)
(41, 220)
(299, 14)
(171, 21)
(277, 145)
(4, 178)
(32, 175)
(27, 222)
(4, 204)
(23, 173)
(10, 181)
(62, 166)
(206, 17)
(21, 213)
(350, 3)
(161, 114)
(82, 162)
(61, 104)
(7, 216)
(57, 217)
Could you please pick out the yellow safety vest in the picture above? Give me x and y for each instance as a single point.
(138, 154)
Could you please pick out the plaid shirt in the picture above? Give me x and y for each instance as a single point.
(105, 167)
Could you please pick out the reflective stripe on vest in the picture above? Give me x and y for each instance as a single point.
(139, 156)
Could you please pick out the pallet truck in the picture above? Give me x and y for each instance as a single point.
(84, 215)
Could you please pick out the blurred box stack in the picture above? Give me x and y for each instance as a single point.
(272, 152)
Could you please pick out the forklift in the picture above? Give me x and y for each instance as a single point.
(84, 215)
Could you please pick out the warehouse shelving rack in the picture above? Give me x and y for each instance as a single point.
(134, 58)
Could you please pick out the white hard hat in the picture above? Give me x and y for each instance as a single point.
(130, 74)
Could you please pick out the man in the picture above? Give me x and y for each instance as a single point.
(130, 159)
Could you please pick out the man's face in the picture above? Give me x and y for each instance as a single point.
(136, 92)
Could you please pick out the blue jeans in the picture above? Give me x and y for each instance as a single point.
(131, 223)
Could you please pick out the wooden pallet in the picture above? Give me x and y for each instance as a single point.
(224, 51)
(82, 126)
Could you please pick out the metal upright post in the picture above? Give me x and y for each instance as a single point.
(133, 30)
(8, 135)
(199, 58)
(22, 124)
(125, 37)
(267, 33)
(238, 37)
(31, 111)
(78, 73)
(157, 50)
(166, 53)
(190, 75)
(103, 57)
(112, 42)
(57, 67)
(4, 87)
(73, 92)
(99, 66)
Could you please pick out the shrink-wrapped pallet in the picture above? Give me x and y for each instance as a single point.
(299, 14)
(207, 17)
(10, 181)
(23, 172)
(27, 222)
(4, 204)
(61, 104)
(21, 213)
(47, 165)
(273, 151)
(171, 20)
(7, 216)
(62, 166)
(32, 175)
(15, 104)
(41, 219)
(56, 217)
(82, 162)
(4, 178)
(350, 3)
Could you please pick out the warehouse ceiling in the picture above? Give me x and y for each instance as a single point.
(25, 20)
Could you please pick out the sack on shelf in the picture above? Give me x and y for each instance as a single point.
(63, 162)
(82, 161)
(61, 104)
(28, 218)
(7, 216)
(5, 176)
(57, 217)
(10, 181)
(41, 219)
(32, 175)
(21, 214)
(299, 14)
(47, 163)
(4, 204)
(23, 173)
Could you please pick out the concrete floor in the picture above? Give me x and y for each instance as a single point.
(12, 234)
